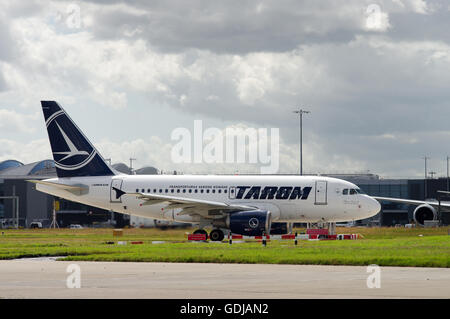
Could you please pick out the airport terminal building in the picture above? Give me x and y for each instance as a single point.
(20, 196)
(394, 213)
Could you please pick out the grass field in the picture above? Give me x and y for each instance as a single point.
(417, 247)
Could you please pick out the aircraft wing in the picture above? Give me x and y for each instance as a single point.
(189, 206)
(411, 201)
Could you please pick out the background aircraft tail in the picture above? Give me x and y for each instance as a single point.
(74, 155)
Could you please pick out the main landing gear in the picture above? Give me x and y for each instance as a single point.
(201, 232)
(214, 235)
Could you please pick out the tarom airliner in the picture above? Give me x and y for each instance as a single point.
(251, 205)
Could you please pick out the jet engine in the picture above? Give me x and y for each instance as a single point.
(424, 212)
(250, 223)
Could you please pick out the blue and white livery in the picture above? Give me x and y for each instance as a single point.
(246, 205)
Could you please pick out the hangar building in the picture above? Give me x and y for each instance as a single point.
(34, 206)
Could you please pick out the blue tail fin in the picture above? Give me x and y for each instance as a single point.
(74, 155)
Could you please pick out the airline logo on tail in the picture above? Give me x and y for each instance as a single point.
(73, 158)
(73, 151)
(74, 155)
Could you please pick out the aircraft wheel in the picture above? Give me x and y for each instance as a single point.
(202, 232)
(216, 235)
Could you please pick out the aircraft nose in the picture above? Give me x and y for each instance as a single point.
(374, 206)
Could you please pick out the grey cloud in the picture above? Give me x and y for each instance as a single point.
(360, 88)
(7, 43)
(374, 97)
(232, 26)
(421, 27)
(240, 27)
(21, 9)
(3, 85)
(11, 10)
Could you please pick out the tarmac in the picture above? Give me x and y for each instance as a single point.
(47, 278)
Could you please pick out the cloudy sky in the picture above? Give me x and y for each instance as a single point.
(374, 74)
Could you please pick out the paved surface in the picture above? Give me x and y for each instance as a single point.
(46, 278)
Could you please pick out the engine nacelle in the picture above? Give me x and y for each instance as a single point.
(423, 213)
(250, 223)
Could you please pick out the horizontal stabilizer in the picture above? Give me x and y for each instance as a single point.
(60, 186)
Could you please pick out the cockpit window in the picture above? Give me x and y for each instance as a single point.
(352, 191)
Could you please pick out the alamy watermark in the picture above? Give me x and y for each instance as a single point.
(374, 279)
(74, 279)
(71, 16)
(376, 19)
(234, 145)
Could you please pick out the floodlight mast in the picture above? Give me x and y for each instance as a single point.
(426, 158)
(448, 177)
(300, 112)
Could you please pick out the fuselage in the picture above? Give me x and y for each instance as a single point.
(288, 198)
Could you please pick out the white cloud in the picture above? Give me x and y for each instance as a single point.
(420, 6)
(11, 121)
(416, 6)
(32, 151)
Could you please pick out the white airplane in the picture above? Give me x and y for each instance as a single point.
(245, 205)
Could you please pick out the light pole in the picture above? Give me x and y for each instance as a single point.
(448, 178)
(131, 165)
(300, 112)
(426, 176)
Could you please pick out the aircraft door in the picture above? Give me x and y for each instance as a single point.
(321, 193)
(232, 192)
(116, 183)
